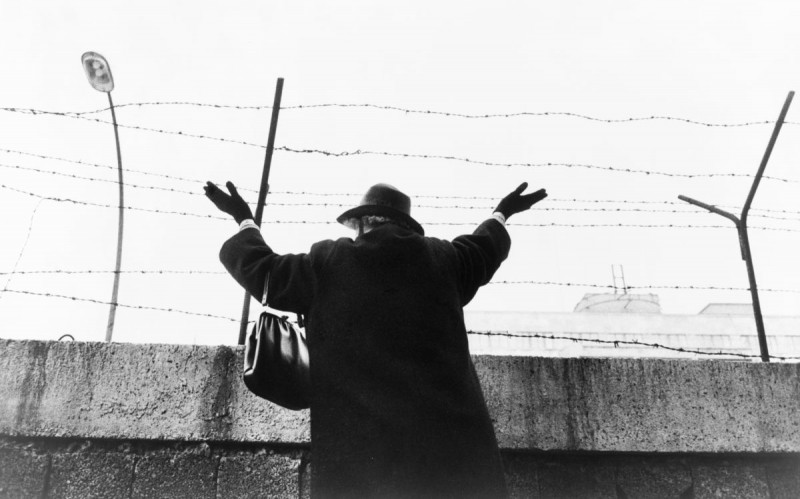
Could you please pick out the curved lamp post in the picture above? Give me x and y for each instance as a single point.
(98, 73)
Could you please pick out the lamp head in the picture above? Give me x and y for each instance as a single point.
(98, 72)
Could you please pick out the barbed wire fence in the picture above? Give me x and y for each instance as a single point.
(427, 112)
(455, 202)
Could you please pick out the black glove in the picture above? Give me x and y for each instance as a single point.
(516, 202)
(233, 205)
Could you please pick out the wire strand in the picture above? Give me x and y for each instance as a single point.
(344, 205)
(628, 287)
(355, 194)
(617, 343)
(359, 152)
(500, 282)
(24, 246)
(106, 166)
(549, 199)
(435, 113)
(35, 112)
(330, 222)
(92, 271)
(550, 336)
(96, 179)
(136, 307)
(101, 205)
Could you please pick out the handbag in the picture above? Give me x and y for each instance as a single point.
(276, 362)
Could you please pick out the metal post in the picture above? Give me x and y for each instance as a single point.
(751, 276)
(262, 193)
(745, 240)
(741, 227)
(115, 290)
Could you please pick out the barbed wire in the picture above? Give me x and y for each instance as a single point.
(96, 179)
(181, 133)
(136, 307)
(356, 194)
(173, 103)
(102, 205)
(549, 336)
(629, 287)
(500, 282)
(92, 271)
(617, 343)
(549, 199)
(107, 166)
(538, 208)
(712, 288)
(434, 112)
(360, 152)
(330, 222)
(344, 205)
(24, 246)
(610, 225)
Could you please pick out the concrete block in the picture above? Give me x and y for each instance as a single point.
(195, 394)
(576, 479)
(23, 472)
(783, 476)
(126, 391)
(653, 478)
(91, 474)
(522, 475)
(730, 479)
(638, 405)
(189, 474)
(258, 475)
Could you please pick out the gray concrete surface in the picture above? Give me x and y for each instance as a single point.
(22, 471)
(55, 468)
(127, 391)
(194, 393)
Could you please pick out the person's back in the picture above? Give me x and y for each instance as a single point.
(396, 407)
(390, 360)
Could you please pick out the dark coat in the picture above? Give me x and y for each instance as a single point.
(397, 409)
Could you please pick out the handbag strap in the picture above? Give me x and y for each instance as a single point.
(300, 319)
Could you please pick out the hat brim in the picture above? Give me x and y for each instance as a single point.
(349, 217)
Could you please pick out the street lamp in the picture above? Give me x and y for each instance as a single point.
(98, 72)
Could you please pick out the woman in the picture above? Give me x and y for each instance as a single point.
(396, 408)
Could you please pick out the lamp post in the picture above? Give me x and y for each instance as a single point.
(98, 72)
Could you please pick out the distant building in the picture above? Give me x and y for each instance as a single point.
(719, 327)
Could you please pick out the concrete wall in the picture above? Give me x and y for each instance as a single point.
(123, 420)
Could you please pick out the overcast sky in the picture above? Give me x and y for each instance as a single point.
(720, 63)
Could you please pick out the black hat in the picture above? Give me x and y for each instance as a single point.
(382, 200)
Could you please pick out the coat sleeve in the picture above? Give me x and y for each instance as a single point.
(479, 256)
(249, 259)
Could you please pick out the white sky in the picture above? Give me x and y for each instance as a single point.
(718, 62)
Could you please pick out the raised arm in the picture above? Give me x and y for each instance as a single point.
(248, 258)
(481, 253)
